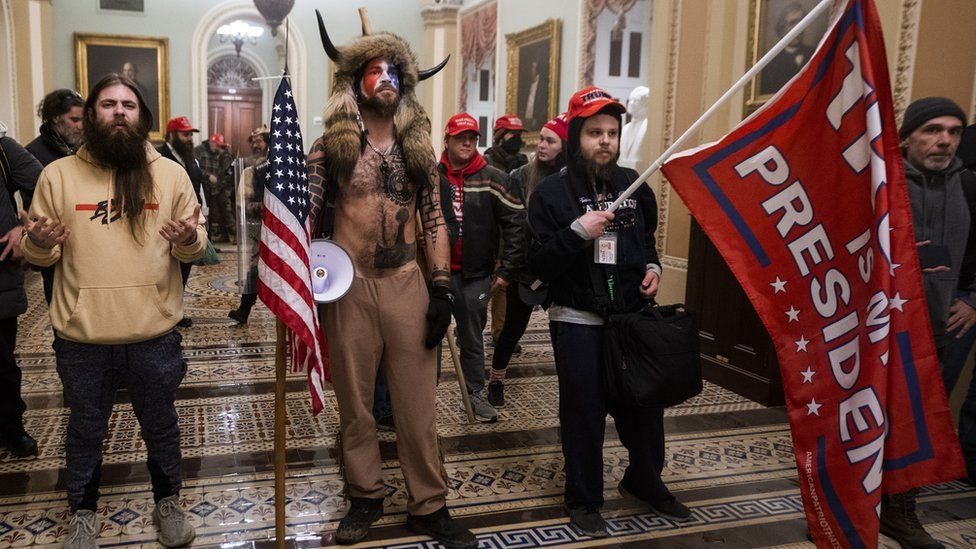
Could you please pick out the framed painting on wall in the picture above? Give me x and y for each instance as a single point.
(144, 60)
(532, 91)
(770, 20)
(134, 6)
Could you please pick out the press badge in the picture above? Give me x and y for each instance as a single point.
(605, 249)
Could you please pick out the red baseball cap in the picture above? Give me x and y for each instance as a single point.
(180, 124)
(217, 139)
(508, 122)
(590, 100)
(460, 123)
(559, 126)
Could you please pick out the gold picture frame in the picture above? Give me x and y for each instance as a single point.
(144, 58)
(533, 71)
(768, 21)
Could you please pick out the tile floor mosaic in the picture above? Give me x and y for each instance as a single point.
(736, 476)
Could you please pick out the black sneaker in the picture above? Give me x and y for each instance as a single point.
(496, 393)
(363, 512)
(440, 526)
(669, 507)
(386, 423)
(588, 523)
(21, 445)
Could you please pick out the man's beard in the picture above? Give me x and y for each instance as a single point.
(383, 107)
(123, 151)
(594, 170)
(184, 149)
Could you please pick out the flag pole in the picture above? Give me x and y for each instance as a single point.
(280, 419)
(749, 75)
(281, 372)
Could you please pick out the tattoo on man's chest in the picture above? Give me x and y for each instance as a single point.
(393, 250)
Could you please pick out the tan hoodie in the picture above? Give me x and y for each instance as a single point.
(109, 289)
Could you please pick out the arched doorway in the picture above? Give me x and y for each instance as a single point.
(234, 101)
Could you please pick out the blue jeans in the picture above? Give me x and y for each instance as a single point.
(954, 359)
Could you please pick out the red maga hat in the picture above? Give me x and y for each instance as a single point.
(180, 124)
(218, 139)
(508, 122)
(589, 101)
(460, 123)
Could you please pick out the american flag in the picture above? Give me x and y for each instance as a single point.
(284, 276)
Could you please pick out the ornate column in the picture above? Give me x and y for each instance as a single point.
(439, 94)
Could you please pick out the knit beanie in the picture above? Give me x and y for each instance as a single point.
(925, 109)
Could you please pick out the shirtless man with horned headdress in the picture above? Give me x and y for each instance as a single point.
(370, 173)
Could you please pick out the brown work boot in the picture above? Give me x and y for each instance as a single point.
(899, 521)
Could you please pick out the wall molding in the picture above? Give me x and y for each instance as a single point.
(9, 87)
(911, 11)
(676, 263)
(670, 103)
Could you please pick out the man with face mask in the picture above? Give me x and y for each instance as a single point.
(116, 220)
(506, 150)
(372, 180)
(60, 135)
(567, 219)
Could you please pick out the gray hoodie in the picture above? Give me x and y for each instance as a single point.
(940, 213)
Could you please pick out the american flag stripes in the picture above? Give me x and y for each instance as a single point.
(284, 277)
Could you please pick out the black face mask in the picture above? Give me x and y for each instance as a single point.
(513, 145)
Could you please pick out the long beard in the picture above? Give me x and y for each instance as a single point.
(123, 151)
(594, 171)
(184, 149)
(382, 107)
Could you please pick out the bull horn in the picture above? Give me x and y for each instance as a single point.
(327, 44)
(425, 74)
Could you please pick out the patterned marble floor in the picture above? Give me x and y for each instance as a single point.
(729, 459)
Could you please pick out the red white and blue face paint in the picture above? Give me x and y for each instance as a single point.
(378, 76)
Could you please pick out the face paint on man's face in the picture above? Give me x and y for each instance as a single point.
(380, 75)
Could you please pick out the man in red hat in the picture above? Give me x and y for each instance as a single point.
(215, 162)
(567, 218)
(179, 148)
(488, 212)
(506, 140)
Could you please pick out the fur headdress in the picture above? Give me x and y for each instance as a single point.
(343, 137)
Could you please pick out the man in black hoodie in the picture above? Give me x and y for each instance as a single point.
(942, 209)
(567, 219)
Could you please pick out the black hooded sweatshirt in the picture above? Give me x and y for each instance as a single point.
(565, 260)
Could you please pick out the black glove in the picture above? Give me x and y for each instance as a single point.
(438, 315)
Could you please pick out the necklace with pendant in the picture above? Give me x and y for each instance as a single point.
(385, 169)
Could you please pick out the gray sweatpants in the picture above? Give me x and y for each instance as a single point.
(471, 314)
(151, 371)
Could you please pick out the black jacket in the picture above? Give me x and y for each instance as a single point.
(49, 146)
(561, 257)
(24, 170)
(519, 181)
(498, 158)
(492, 211)
(197, 176)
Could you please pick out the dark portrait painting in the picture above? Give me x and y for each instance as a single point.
(772, 20)
(533, 76)
(144, 60)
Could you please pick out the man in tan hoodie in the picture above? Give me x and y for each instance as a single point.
(116, 220)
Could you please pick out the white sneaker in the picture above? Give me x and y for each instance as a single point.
(174, 526)
(82, 530)
(483, 411)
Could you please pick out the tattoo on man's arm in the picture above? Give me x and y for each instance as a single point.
(430, 213)
(316, 179)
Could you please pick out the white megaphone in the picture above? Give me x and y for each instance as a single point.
(332, 271)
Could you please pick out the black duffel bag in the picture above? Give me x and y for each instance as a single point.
(652, 357)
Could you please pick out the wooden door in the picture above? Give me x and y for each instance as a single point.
(235, 113)
(737, 352)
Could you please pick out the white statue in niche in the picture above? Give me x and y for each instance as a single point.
(632, 135)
